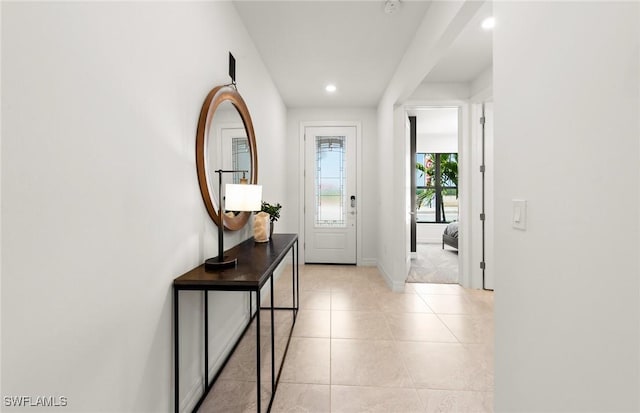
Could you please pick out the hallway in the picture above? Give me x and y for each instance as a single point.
(358, 347)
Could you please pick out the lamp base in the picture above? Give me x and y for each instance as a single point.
(213, 264)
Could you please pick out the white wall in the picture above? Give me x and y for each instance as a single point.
(441, 91)
(1, 31)
(437, 129)
(367, 169)
(481, 87)
(567, 301)
(429, 233)
(386, 178)
(440, 143)
(101, 208)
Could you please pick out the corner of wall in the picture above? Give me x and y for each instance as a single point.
(481, 88)
(368, 262)
(394, 285)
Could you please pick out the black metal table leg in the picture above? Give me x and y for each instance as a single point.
(296, 272)
(293, 278)
(206, 340)
(258, 375)
(273, 347)
(176, 355)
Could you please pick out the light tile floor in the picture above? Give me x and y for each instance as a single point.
(358, 347)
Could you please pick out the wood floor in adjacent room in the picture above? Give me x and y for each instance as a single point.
(358, 347)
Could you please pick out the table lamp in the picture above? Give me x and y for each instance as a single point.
(239, 197)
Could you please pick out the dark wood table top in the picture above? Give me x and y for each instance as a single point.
(256, 263)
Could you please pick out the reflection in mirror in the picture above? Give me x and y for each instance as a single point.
(227, 147)
(240, 156)
(225, 140)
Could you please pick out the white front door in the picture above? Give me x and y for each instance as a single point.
(330, 195)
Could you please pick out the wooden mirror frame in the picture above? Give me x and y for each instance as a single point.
(217, 96)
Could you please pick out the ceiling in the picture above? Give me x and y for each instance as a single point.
(355, 45)
(470, 55)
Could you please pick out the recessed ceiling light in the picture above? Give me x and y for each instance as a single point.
(330, 88)
(489, 23)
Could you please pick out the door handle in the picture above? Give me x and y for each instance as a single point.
(353, 201)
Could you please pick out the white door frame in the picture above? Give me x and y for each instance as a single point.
(464, 175)
(301, 183)
(476, 113)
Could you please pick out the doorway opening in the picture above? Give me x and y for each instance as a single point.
(434, 137)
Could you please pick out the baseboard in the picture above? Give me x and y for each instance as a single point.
(368, 262)
(397, 287)
(233, 337)
(393, 285)
(191, 398)
(235, 327)
(385, 275)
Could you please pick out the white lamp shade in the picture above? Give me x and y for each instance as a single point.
(243, 197)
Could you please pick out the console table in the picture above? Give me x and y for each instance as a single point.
(256, 264)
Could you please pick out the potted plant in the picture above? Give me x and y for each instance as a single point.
(274, 213)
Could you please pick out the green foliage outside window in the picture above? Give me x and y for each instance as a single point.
(434, 188)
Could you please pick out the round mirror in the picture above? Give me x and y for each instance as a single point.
(225, 140)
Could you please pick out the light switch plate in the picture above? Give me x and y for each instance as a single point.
(519, 214)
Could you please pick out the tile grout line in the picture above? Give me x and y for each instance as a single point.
(403, 360)
(442, 321)
(330, 349)
(448, 328)
(404, 364)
